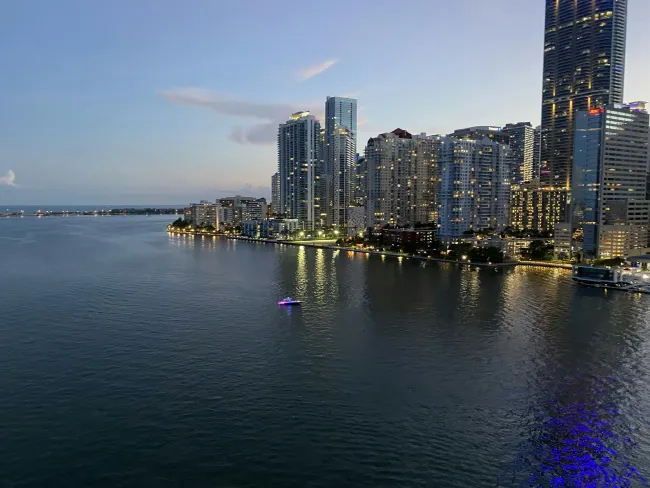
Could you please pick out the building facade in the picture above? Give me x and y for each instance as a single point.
(359, 196)
(401, 176)
(237, 209)
(537, 153)
(538, 209)
(474, 191)
(204, 213)
(522, 144)
(609, 185)
(356, 220)
(480, 132)
(584, 66)
(340, 148)
(401, 238)
(275, 193)
(298, 163)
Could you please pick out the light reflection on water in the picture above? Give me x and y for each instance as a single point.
(152, 350)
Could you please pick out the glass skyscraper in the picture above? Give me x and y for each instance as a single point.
(584, 67)
(340, 163)
(610, 171)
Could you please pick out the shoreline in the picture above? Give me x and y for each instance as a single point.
(97, 213)
(316, 245)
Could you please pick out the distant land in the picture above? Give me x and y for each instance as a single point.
(65, 210)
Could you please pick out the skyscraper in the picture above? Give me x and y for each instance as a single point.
(522, 146)
(610, 171)
(341, 147)
(339, 165)
(474, 190)
(341, 112)
(298, 158)
(584, 65)
(400, 178)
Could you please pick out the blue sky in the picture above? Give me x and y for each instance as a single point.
(167, 101)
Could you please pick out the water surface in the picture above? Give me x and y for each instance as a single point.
(130, 357)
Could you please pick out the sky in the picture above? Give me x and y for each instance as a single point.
(170, 101)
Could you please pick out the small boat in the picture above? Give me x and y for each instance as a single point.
(289, 301)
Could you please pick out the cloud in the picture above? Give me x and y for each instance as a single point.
(270, 114)
(9, 179)
(311, 71)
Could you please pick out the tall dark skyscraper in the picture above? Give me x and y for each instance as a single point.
(584, 67)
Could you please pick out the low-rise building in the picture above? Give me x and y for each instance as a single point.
(408, 237)
(356, 221)
(252, 228)
(279, 228)
(562, 240)
(237, 209)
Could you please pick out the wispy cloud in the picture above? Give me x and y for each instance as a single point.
(311, 71)
(9, 179)
(269, 114)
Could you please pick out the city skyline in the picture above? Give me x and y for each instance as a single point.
(116, 112)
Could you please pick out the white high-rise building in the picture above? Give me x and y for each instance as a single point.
(340, 146)
(474, 192)
(298, 158)
(401, 175)
(522, 145)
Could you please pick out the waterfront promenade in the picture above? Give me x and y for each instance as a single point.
(329, 244)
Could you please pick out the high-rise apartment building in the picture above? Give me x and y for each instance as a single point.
(298, 160)
(609, 185)
(340, 144)
(322, 202)
(475, 184)
(401, 179)
(275, 193)
(522, 145)
(584, 65)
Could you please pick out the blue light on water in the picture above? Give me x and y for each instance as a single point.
(577, 443)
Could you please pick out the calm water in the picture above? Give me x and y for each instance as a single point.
(132, 358)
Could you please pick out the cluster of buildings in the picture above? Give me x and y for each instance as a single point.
(227, 212)
(581, 176)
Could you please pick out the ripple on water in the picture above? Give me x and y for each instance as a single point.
(131, 358)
